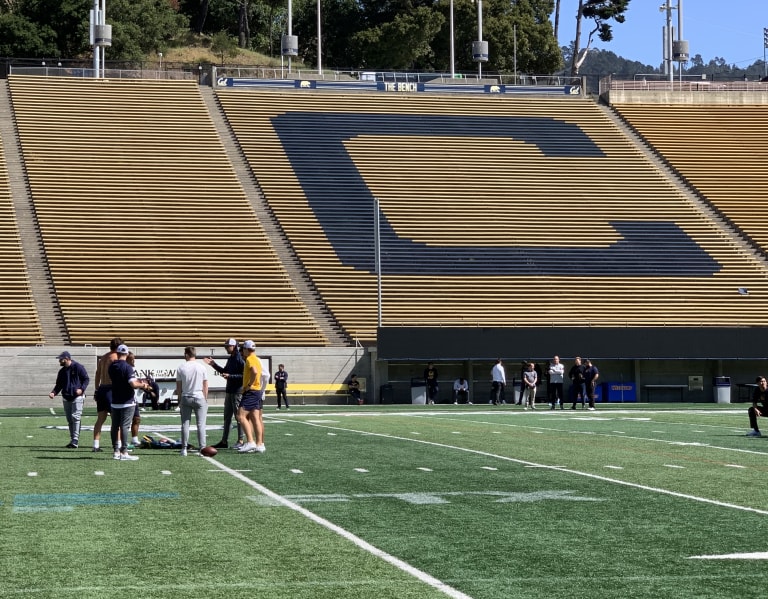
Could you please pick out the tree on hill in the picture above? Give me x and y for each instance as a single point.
(600, 11)
(59, 28)
(224, 45)
(19, 36)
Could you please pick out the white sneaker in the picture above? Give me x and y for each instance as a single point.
(183, 453)
(116, 455)
(591, 409)
(261, 448)
(127, 457)
(247, 448)
(754, 433)
(455, 403)
(470, 403)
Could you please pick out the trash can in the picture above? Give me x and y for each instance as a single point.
(722, 389)
(386, 394)
(418, 391)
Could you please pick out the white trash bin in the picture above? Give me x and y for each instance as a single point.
(722, 389)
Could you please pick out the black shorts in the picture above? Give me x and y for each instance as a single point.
(103, 397)
(252, 400)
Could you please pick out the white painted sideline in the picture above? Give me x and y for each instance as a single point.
(761, 555)
(398, 563)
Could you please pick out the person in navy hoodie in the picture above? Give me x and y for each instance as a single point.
(71, 382)
(124, 383)
(232, 371)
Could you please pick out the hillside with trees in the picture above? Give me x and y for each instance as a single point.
(356, 34)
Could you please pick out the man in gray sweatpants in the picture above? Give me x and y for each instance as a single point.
(71, 382)
(192, 391)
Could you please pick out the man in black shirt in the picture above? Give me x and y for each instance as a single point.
(760, 396)
(578, 383)
(430, 379)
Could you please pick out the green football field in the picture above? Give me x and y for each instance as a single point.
(647, 500)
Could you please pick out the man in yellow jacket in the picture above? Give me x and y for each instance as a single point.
(252, 401)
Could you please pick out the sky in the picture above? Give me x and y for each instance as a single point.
(713, 28)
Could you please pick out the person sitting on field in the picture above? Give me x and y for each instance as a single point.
(353, 387)
(461, 391)
(760, 396)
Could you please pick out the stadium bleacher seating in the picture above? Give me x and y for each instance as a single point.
(148, 232)
(18, 315)
(719, 149)
(496, 211)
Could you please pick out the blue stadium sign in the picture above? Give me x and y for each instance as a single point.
(399, 86)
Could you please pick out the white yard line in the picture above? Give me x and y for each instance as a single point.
(391, 559)
(557, 469)
(623, 436)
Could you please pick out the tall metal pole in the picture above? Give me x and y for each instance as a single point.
(319, 42)
(453, 55)
(377, 254)
(668, 43)
(514, 34)
(680, 38)
(96, 49)
(765, 45)
(290, 29)
(480, 34)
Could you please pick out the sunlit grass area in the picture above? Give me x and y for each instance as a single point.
(395, 501)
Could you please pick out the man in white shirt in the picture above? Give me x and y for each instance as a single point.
(555, 386)
(192, 391)
(498, 382)
(461, 391)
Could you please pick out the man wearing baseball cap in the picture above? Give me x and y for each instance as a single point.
(232, 371)
(252, 401)
(71, 382)
(124, 382)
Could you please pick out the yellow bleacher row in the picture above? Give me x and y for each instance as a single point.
(19, 322)
(147, 230)
(720, 150)
(443, 191)
(149, 235)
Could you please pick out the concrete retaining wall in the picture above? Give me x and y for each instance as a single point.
(27, 374)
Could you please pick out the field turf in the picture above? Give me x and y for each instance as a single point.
(630, 501)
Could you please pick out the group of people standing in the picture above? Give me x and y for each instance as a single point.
(117, 381)
(243, 396)
(583, 376)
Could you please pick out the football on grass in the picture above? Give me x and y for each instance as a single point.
(209, 451)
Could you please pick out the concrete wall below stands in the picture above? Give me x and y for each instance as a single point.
(27, 374)
(693, 97)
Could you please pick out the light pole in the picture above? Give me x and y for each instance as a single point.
(377, 253)
(674, 50)
(480, 47)
(765, 45)
(668, 40)
(289, 43)
(453, 54)
(319, 42)
(100, 36)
